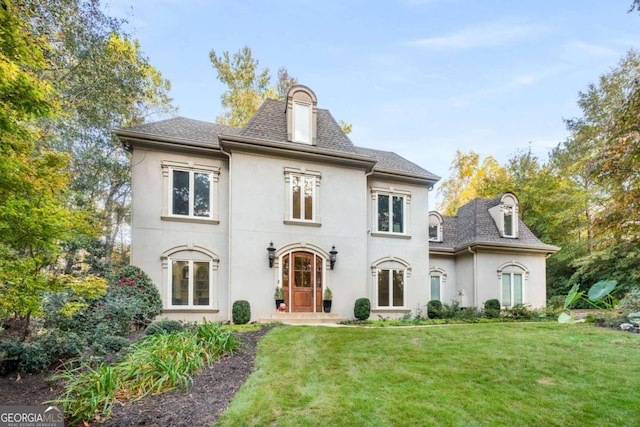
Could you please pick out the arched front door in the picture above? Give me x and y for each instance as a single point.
(302, 281)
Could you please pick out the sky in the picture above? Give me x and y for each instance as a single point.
(422, 78)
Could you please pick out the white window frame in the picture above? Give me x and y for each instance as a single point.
(304, 174)
(168, 167)
(406, 211)
(404, 288)
(511, 210)
(511, 269)
(296, 112)
(191, 285)
(435, 220)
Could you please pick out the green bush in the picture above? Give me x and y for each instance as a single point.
(434, 309)
(61, 344)
(362, 309)
(520, 312)
(241, 312)
(22, 357)
(134, 284)
(102, 344)
(164, 327)
(556, 302)
(492, 308)
(630, 303)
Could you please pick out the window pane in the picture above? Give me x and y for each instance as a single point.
(180, 283)
(398, 214)
(508, 223)
(295, 191)
(435, 288)
(506, 289)
(308, 197)
(517, 289)
(383, 288)
(201, 280)
(433, 232)
(201, 194)
(398, 288)
(180, 193)
(302, 124)
(383, 212)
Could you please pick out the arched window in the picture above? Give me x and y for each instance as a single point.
(191, 278)
(437, 279)
(391, 276)
(513, 278)
(435, 227)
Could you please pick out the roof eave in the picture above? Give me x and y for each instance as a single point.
(129, 138)
(406, 176)
(230, 143)
(511, 247)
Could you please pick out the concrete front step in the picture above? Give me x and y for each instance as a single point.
(304, 318)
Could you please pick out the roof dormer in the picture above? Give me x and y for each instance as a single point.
(435, 227)
(505, 215)
(302, 115)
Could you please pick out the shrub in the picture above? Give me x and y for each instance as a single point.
(434, 309)
(164, 327)
(104, 344)
(492, 308)
(362, 309)
(241, 312)
(23, 357)
(132, 283)
(630, 303)
(556, 302)
(61, 344)
(520, 311)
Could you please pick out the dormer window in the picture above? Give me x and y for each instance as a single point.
(435, 227)
(505, 216)
(301, 122)
(301, 115)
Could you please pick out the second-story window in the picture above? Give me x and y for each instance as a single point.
(391, 213)
(302, 197)
(191, 193)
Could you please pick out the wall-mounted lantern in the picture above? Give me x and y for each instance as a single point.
(332, 258)
(272, 254)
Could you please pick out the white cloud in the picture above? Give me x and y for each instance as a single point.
(590, 50)
(495, 34)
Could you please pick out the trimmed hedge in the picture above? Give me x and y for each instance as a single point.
(362, 309)
(241, 312)
(434, 309)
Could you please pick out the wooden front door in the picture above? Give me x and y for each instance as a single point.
(302, 281)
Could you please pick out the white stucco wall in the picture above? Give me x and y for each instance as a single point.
(151, 235)
(411, 249)
(258, 208)
(450, 285)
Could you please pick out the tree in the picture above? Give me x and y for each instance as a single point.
(103, 81)
(34, 214)
(248, 87)
(469, 179)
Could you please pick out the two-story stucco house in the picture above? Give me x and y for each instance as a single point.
(221, 214)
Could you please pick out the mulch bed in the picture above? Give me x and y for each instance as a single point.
(211, 392)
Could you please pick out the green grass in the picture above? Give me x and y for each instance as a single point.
(503, 374)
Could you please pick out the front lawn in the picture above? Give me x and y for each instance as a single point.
(469, 375)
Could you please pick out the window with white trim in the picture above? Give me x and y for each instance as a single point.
(435, 227)
(190, 283)
(391, 211)
(302, 192)
(435, 287)
(391, 292)
(512, 289)
(508, 221)
(190, 191)
(301, 122)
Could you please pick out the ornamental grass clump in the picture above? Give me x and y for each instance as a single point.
(159, 363)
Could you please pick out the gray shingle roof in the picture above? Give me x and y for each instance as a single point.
(184, 128)
(270, 122)
(388, 160)
(473, 224)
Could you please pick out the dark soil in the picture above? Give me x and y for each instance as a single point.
(211, 392)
